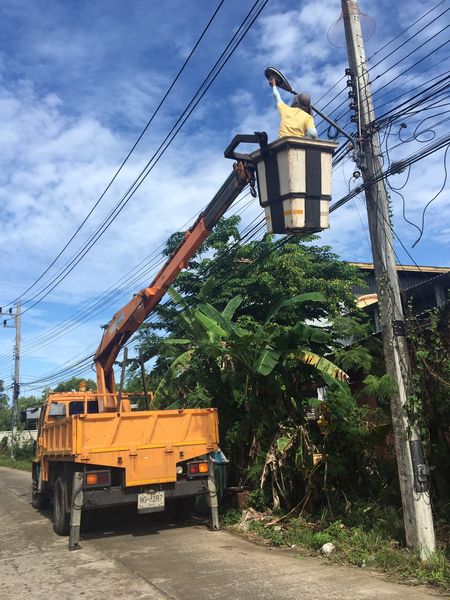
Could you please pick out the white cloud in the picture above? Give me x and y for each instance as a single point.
(58, 173)
(295, 41)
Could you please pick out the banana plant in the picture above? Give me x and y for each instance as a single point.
(258, 348)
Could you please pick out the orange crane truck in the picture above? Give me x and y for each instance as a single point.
(94, 450)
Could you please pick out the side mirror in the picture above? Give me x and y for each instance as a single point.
(57, 410)
(34, 412)
(30, 416)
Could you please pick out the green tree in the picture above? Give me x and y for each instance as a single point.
(257, 364)
(73, 384)
(27, 401)
(255, 350)
(430, 344)
(234, 358)
(5, 409)
(263, 273)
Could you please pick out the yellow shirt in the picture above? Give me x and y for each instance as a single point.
(293, 121)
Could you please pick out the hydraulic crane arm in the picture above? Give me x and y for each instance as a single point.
(128, 319)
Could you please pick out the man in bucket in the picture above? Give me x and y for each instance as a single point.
(295, 120)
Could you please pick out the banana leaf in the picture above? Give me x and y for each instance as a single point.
(210, 325)
(309, 333)
(231, 307)
(308, 297)
(176, 341)
(325, 366)
(178, 366)
(266, 361)
(213, 314)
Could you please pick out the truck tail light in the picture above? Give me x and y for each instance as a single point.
(198, 468)
(98, 478)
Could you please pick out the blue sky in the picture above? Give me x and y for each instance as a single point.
(78, 82)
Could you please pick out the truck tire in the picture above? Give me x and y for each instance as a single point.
(61, 518)
(39, 500)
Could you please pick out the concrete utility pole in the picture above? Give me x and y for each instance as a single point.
(16, 384)
(412, 470)
(16, 390)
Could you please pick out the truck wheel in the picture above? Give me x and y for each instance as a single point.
(39, 500)
(61, 518)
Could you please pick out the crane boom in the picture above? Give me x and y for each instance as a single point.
(128, 319)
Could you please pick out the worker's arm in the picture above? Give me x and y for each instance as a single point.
(311, 131)
(276, 93)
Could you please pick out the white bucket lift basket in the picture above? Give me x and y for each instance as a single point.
(294, 182)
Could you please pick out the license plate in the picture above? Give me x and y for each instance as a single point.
(151, 502)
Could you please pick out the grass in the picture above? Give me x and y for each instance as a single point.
(21, 464)
(23, 453)
(374, 542)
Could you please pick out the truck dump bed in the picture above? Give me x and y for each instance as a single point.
(147, 444)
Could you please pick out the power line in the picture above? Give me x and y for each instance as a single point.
(396, 98)
(254, 229)
(419, 32)
(415, 101)
(434, 50)
(422, 227)
(149, 122)
(248, 231)
(370, 69)
(413, 158)
(344, 148)
(396, 167)
(169, 90)
(214, 72)
(110, 296)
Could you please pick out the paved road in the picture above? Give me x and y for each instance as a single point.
(130, 557)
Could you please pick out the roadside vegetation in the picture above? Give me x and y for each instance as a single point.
(13, 463)
(23, 450)
(23, 445)
(23, 455)
(240, 332)
(367, 537)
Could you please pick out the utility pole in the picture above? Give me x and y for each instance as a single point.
(16, 384)
(412, 470)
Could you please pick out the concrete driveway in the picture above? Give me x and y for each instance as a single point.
(126, 556)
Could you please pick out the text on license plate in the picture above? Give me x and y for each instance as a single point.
(151, 501)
